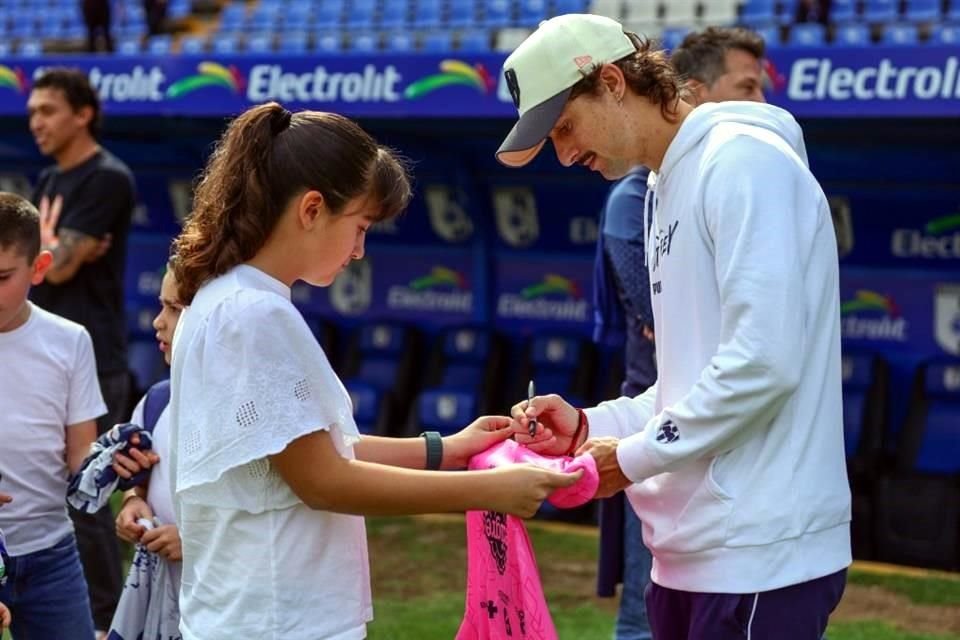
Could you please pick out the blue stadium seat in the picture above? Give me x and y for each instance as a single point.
(30, 48)
(364, 43)
(807, 34)
(496, 14)
(294, 42)
(446, 411)
(842, 11)
(225, 43)
(475, 41)
(368, 407)
(563, 7)
(259, 43)
(394, 14)
(923, 10)
(399, 42)
(328, 15)
(787, 11)
(128, 46)
(756, 13)
(6, 48)
(880, 11)
(531, 12)
(193, 45)
(852, 35)
(901, 35)
(437, 42)
(770, 35)
(233, 17)
(177, 9)
(464, 357)
(918, 504)
(462, 14)
(159, 45)
(945, 34)
(381, 354)
(673, 36)
(327, 42)
(562, 364)
(360, 14)
(426, 14)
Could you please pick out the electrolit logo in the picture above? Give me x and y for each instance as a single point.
(12, 79)
(209, 74)
(773, 80)
(818, 79)
(938, 240)
(372, 84)
(554, 298)
(452, 72)
(442, 289)
(872, 316)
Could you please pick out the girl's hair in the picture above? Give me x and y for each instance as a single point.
(266, 157)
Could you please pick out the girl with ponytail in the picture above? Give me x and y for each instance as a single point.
(271, 477)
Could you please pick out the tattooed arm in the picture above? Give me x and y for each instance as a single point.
(70, 248)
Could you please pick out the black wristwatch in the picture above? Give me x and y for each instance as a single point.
(434, 449)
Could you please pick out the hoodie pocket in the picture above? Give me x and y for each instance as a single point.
(692, 511)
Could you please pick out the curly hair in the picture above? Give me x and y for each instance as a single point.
(647, 72)
(266, 157)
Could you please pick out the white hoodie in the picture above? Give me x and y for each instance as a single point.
(737, 450)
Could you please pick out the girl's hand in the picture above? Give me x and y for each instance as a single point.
(133, 509)
(129, 466)
(520, 489)
(479, 435)
(164, 540)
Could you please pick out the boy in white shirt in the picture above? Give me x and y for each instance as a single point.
(50, 399)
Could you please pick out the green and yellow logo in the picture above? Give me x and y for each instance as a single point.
(439, 277)
(866, 300)
(943, 224)
(209, 74)
(552, 285)
(13, 79)
(452, 72)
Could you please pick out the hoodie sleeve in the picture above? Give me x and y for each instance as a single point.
(752, 220)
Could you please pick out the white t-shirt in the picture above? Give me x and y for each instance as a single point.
(248, 378)
(158, 491)
(48, 380)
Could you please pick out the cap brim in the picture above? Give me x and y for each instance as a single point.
(528, 136)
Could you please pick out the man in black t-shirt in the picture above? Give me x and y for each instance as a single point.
(86, 201)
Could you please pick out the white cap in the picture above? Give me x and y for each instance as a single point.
(543, 69)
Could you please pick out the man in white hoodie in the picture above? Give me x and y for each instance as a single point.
(734, 458)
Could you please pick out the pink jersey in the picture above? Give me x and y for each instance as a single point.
(504, 598)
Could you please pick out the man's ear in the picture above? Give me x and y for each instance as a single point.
(41, 265)
(697, 89)
(309, 208)
(611, 77)
(85, 113)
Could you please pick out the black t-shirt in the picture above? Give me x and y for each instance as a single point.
(98, 198)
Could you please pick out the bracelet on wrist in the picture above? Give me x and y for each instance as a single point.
(434, 444)
(581, 429)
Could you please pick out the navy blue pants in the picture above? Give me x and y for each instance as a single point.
(797, 612)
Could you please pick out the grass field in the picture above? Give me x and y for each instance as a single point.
(418, 574)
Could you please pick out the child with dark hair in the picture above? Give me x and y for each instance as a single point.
(50, 400)
(271, 474)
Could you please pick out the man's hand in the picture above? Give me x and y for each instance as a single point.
(164, 540)
(49, 216)
(557, 423)
(604, 451)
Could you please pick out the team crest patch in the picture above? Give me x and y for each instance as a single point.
(495, 529)
(668, 432)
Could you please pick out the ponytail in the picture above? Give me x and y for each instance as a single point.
(266, 157)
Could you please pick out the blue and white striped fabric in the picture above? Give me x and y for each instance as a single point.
(91, 487)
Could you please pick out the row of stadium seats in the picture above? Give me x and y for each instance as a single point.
(765, 12)
(905, 484)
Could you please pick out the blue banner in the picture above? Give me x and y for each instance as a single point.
(427, 287)
(553, 293)
(810, 82)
